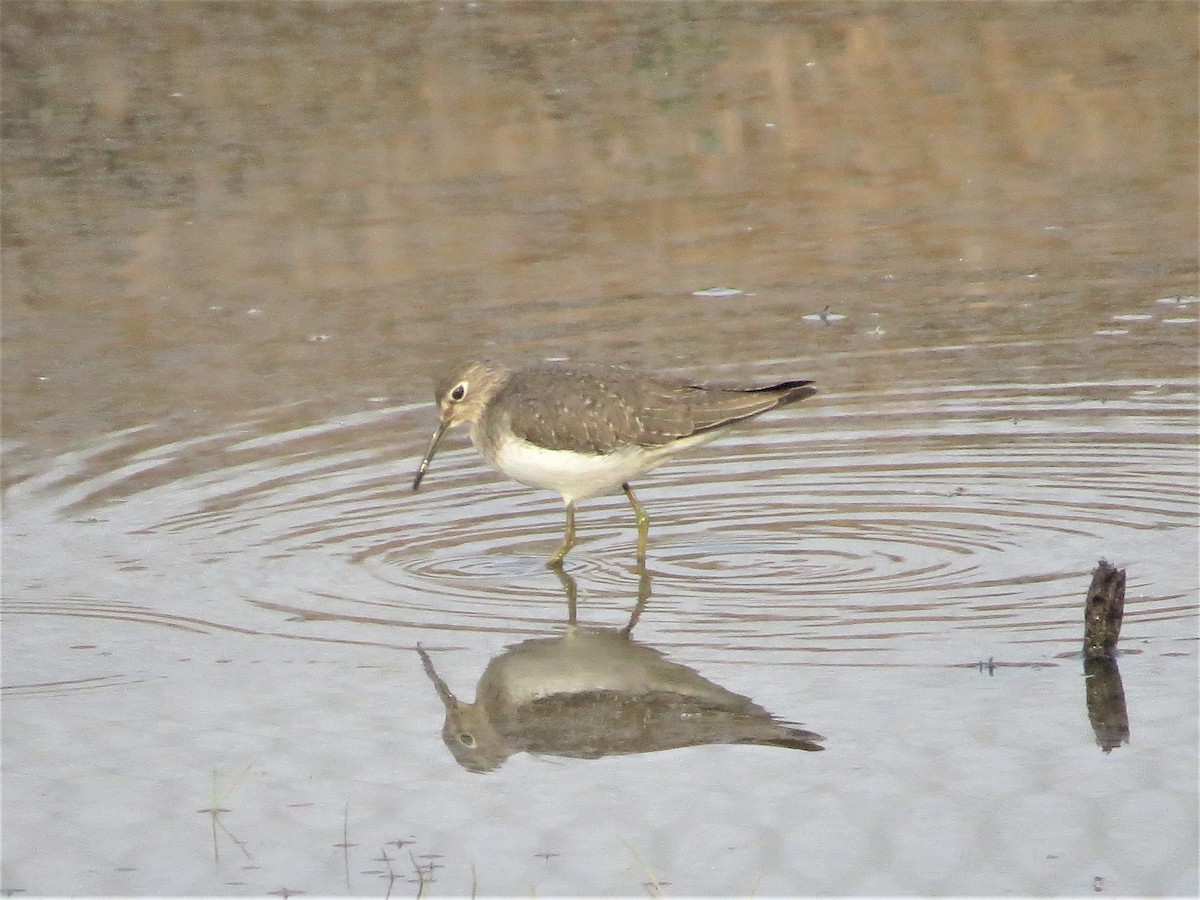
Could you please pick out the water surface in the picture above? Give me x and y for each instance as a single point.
(240, 240)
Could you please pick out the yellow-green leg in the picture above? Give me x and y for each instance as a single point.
(556, 560)
(643, 521)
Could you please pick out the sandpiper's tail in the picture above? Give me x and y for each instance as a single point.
(712, 408)
(787, 391)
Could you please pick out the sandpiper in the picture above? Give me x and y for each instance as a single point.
(586, 430)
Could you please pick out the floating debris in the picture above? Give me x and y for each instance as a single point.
(824, 316)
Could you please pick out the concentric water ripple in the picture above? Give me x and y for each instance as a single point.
(846, 523)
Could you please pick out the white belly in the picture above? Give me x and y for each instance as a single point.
(582, 475)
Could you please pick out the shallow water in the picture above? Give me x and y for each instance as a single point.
(218, 352)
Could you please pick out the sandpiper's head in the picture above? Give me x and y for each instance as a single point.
(464, 391)
(462, 396)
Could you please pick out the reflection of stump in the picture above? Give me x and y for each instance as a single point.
(1106, 703)
(1103, 613)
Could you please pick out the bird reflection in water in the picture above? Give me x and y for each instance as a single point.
(594, 692)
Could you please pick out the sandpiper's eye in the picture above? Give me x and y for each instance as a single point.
(460, 391)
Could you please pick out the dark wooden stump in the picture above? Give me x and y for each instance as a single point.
(1102, 615)
(1104, 611)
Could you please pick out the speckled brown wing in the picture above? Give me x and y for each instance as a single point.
(600, 409)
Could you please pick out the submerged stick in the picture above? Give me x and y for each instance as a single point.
(1103, 611)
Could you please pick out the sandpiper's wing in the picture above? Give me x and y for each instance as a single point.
(601, 409)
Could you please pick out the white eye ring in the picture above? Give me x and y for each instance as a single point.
(459, 391)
